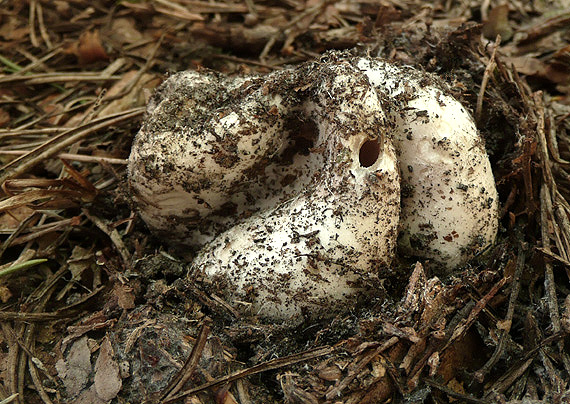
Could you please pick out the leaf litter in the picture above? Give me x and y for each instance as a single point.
(103, 312)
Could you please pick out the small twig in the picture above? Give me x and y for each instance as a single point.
(177, 11)
(113, 235)
(357, 368)
(543, 149)
(554, 256)
(464, 325)
(451, 393)
(549, 283)
(485, 81)
(32, 317)
(190, 365)
(506, 324)
(18, 133)
(553, 142)
(262, 367)
(213, 302)
(508, 378)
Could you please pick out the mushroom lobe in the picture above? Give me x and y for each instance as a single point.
(449, 200)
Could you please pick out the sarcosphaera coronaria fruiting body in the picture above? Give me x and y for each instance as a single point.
(290, 184)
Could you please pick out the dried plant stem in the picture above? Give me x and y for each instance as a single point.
(359, 366)
(56, 77)
(549, 283)
(190, 365)
(464, 324)
(506, 324)
(486, 75)
(74, 157)
(113, 235)
(262, 367)
(55, 145)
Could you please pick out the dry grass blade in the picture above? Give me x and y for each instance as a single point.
(75, 157)
(13, 268)
(452, 393)
(35, 196)
(554, 256)
(488, 71)
(55, 145)
(507, 379)
(40, 231)
(218, 7)
(31, 317)
(49, 78)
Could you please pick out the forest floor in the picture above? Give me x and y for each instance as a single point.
(94, 309)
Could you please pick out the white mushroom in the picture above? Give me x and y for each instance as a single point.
(449, 199)
(290, 186)
(306, 231)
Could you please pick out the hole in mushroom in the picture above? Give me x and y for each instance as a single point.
(302, 136)
(369, 152)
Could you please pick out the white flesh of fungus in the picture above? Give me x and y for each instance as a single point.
(449, 200)
(289, 184)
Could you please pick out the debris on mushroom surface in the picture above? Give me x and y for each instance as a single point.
(289, 183)
(449, 199)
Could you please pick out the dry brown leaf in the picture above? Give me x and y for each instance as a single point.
(134, 98)
(89, 48)
(125, 296)
(51, 107)
(13, 30)
(457, 387)
(330, 373)
(14, 217)
(123, 31)
(74, 370)
(387, 14)
(107, 380)
(4, 118)
(225, 397)
(5, 294)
